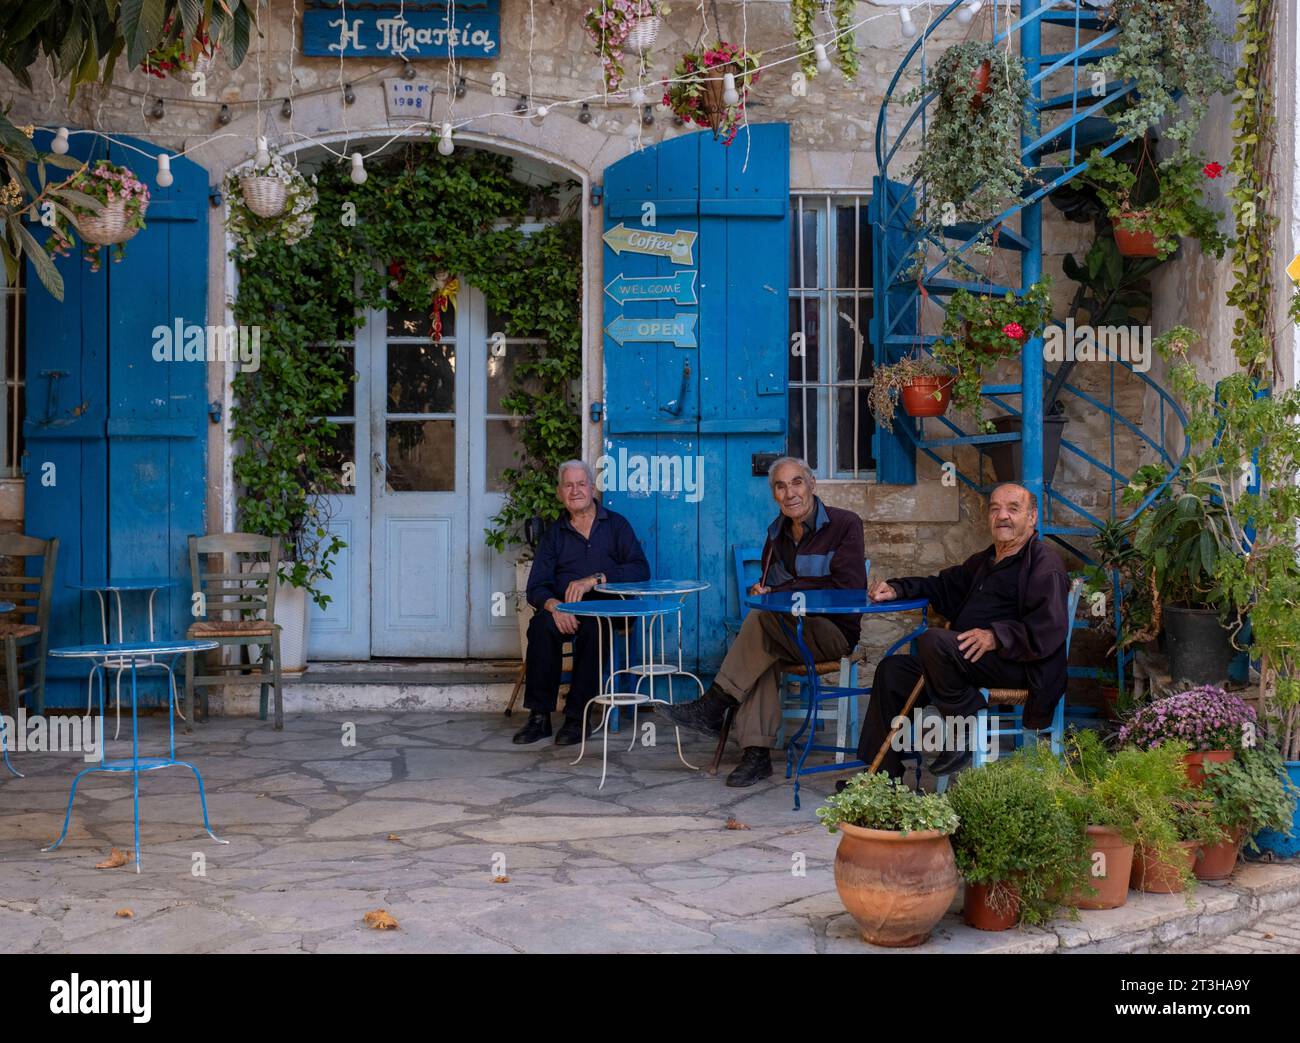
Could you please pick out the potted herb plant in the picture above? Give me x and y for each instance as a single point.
(1194, 829)
(698, 94)
(981, 328)
(923, 385)
(1248, 795)
(894, 867)
(617, 26)
(970, 162)
(1016, 844)
(1150, 216)
(1213, 724)
(106, 203)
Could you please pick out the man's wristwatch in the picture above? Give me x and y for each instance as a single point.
(600, 578)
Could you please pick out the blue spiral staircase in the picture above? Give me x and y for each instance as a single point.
(1061, 128)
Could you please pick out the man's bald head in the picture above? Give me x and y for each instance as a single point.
(1030, 499)
(1013, 516)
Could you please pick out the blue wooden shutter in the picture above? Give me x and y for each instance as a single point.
(716, 405)
(127, 434)
(893, 321)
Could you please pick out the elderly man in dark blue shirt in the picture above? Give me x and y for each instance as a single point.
(590, 545)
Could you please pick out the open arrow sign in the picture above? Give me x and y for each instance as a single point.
(678, 331)
(678, 288)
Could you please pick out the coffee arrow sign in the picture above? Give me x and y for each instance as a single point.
(678, 288)
(678, 246)
(679, 330)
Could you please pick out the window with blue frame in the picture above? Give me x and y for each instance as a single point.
(831, 356)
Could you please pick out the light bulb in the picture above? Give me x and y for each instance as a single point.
(263, 157)
(905, 17)
(823, 59)
(60, 142)
(445, 145)
(164, 178)
(730, 96)
(967, 14)
(637, 97)
(539, 114)
(358, 174)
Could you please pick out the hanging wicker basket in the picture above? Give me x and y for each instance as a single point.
(265, 195)
(110, 226)
(712, 105)
(643, 33)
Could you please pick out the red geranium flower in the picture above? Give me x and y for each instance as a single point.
(1212, 170)
(1014, 330)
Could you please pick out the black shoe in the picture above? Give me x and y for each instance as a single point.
(949, 762)
(703, 715)
(756, 764)
(570, 733)
(538, 727)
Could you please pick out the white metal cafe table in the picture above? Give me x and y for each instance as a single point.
(135, 655)
(607, 613)
(662, 588)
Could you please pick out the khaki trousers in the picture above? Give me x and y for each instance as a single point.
(751, 672)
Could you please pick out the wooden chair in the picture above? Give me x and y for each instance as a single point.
(28, 626)
(238, 610)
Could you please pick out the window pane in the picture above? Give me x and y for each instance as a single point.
(851, 246)
(504, 449)
(348, 407)
(805, 368)
(421, 456)
(844, 430)
(502, 361)
(419, 322)
(851, 347)
(421, 378)
(342, 451)
(810, 246)
(803, 416)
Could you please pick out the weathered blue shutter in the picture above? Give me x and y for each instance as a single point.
(715, 407)
(127, 434)
(893, 321)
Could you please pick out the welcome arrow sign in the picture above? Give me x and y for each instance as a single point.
(678, 288)
(678, 331)
(678, 246)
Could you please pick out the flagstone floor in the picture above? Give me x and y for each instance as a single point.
(470, 843)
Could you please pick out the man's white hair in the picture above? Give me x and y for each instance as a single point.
(780, 462)
(582, 465)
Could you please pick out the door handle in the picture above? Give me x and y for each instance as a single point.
(378, 463)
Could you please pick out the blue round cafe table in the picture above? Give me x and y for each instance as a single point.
(794, 607)
(662, 588)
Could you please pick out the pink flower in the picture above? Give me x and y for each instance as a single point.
(1014, 330)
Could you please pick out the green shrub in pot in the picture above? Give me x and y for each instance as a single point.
(1251, 792)
(880, 802)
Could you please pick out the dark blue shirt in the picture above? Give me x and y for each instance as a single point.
(564, 554)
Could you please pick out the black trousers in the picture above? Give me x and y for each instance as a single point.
(544, 663)
(952, 687)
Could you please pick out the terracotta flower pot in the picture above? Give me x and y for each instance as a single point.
(977, 911)
(919, 396)
(980, 82)
(896, 886)
(1134, 244)
(1195, 763)
(711, 103)
(1154, 876)
(1110, 699)
(1217, 861)
(1111, 858)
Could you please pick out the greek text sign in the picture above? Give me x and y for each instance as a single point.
(438, 29)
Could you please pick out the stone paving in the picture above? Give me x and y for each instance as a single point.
(424, 814)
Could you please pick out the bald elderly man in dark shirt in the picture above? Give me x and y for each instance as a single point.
(1008, 609)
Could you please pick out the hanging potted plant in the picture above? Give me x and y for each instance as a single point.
(1212, 723)
(107, 204)
(970, 161)
(923, 385)
(1151, 214)
(894, 867)
(979, 329)
(699, 92)
(176, 56)
(842, 16)
(619, 26)
(272, 199)
(1246, 795)
(1016, 845)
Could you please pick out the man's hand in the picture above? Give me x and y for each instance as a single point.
(974, 643)
(565, 623)
(758, 589)
(578, 588)
(881, 591)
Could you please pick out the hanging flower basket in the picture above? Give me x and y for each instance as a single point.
(697, 91)
(617, 26)
(272, 201)
(177, 56)
(123, 200)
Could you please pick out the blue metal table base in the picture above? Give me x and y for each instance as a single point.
(137, 764)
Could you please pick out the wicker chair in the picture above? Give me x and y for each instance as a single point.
(237, 607)
(27, 628)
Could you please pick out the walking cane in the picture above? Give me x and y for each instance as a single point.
(907, 708)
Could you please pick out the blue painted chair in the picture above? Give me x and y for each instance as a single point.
(989, 738)
(749, 562)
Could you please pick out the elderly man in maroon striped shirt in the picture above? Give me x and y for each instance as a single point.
(809, 547)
